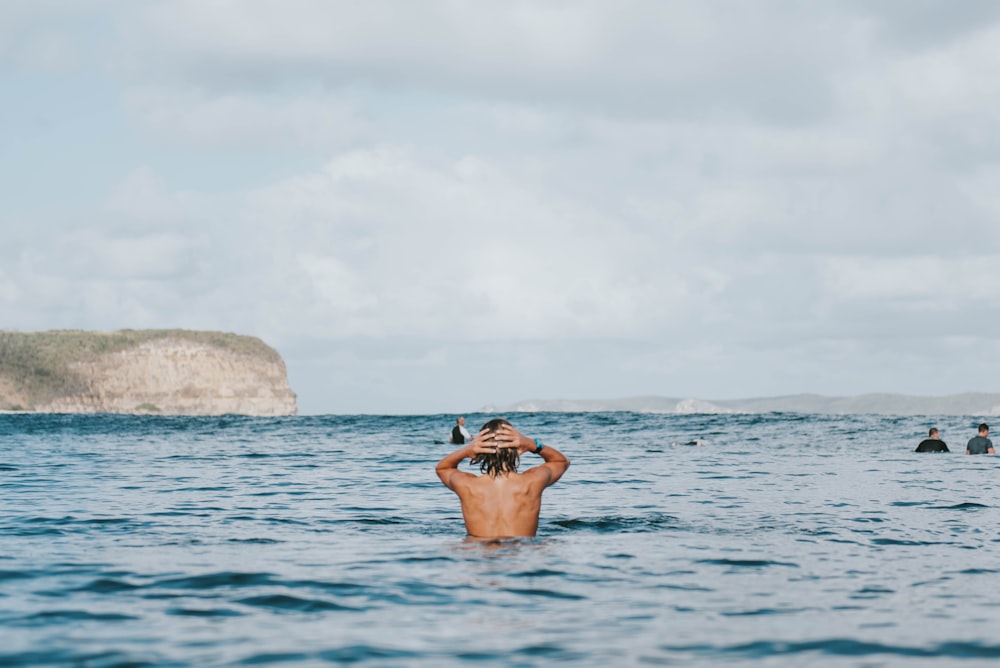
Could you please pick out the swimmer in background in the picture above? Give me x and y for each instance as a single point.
(459, 434)
(980, 445)
(933, 442)
(501, 503)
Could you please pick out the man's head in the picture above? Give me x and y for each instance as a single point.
(984, 429)
(501, 462)
(460, 421)
(934, 433)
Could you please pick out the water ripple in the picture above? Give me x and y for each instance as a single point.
(328, 540)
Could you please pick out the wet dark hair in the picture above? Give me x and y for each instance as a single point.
(984, 427)
(503, 461)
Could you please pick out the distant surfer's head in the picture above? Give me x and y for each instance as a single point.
(501, 462)
(933, 433)
(984, 428)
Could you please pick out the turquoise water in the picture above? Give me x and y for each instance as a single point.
(786, 540)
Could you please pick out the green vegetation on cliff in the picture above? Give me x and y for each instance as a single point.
(36, 367)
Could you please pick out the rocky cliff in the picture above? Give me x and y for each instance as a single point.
(168, 372)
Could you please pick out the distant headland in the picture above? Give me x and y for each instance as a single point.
(970, 403)
(156, 371)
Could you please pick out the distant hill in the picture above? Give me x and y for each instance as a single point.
(162, 371)
(970, 403)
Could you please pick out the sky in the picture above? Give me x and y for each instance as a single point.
(438, 206)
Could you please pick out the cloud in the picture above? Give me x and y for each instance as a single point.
(47, 36)
(316, 120)
(466, 237)
(929, 283)
(920, 24)
(605, 198)
(770, 62)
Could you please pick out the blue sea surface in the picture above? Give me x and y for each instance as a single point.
(785, 540)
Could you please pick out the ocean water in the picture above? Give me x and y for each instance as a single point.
(785, 540)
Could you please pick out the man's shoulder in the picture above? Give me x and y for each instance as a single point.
(461, 480)
(537, 474)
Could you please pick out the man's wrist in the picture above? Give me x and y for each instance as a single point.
(538, 447)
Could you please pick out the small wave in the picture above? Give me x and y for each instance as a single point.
(379, 521)
(198, 612)
(66, 519)
(68, 657)
(899, 541)
(538, 573)
(681, 587)
(547, 651)
(968, 505)
(285, 492)
(359, 653)
(339, 588)
(547, 593)
(15, 575)
(285, 602)
(55, 616)
(872, 592)
(618, 523)
(269, 658)
(764, 612)
(285, 520)
(107, 586)
(256, 541)
(842, 647)
(107, 521)
(746, 563)
(38, 531)
(214, 580)
(421, 560)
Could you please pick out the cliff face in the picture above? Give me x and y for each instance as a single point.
(173, 373)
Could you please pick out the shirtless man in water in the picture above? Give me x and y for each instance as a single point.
(501, 503)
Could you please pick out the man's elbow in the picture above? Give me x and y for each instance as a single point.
(562, 464)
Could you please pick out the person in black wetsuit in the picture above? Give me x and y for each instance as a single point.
(459, 434)
(933, 442)
(980, 445)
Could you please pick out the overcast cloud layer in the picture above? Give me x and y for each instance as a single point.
(440, 205)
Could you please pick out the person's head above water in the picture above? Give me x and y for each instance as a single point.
(933, 433)
(984, 429)
(501, 462)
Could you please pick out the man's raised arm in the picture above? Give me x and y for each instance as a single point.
(555, 461)
(448, 466)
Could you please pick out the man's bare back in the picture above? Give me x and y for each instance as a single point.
(502, 502)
